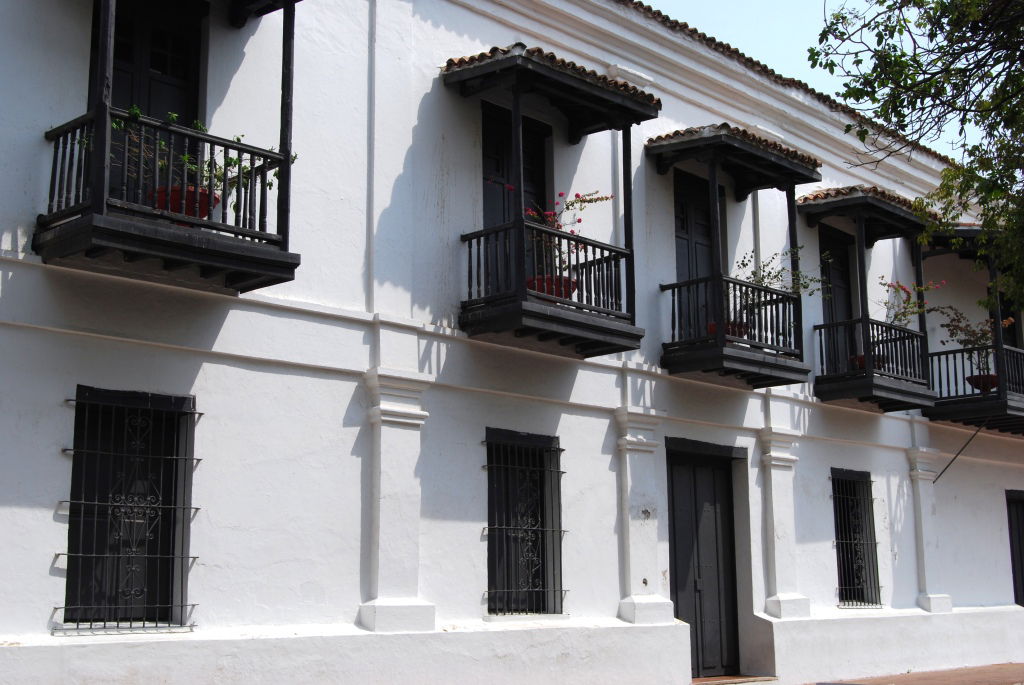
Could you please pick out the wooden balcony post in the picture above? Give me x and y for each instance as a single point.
(862, 276)
(794, 266)
(996, 314)
(922, 324)
(717, 293)
(287, 86)
(627, 222)
(518, 219)
(99, 174)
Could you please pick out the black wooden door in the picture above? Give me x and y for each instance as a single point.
(694, 253)
(497, 164)
(693, 227)
(1015, 510)
(837, 275)
(703, 564)
(156, 57)
(840, 344)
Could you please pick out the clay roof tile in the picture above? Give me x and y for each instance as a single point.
(551, 59)
(743, 134)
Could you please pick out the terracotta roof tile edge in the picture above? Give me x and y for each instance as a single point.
(742, 134)
(772, 75)
(847, 191)
(551, 59)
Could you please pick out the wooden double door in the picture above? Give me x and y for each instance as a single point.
(703, 563)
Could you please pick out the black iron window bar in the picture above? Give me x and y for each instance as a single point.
(758, 316)
(129, 514)
(856, 546)
(165, 171)
(524, 533)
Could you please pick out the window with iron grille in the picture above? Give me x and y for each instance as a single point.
(856, 551)
(129, 511)
(524, 524)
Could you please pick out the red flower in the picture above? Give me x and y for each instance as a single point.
(563, 195)
(579, 221)
(509, 186)
(578, 196)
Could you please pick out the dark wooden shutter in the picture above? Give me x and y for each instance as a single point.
(703, 565)
(1015, 511)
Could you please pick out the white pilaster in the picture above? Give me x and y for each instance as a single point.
(925, 463)
(639, 500)
(778, 464)
(396, 415)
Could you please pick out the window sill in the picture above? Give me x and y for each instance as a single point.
(525, 618)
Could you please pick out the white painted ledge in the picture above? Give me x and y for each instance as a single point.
(646, 610)
(935, 604)
(788, 605)
(397, 615)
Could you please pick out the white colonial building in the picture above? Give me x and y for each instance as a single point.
(316, 368)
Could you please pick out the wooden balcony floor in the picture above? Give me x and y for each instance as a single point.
(162, 252)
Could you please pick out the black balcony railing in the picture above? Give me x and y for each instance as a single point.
(754, 315)
(159, 170)
(977, 372)
(557, 267)
(894, 351)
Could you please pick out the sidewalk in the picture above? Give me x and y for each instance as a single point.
(997, 674)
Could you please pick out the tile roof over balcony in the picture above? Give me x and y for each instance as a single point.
(887, 214)
(590, 101)
(754, 162)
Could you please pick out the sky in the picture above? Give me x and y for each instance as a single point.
(775, 32)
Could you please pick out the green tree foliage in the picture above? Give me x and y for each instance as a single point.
(921, 67)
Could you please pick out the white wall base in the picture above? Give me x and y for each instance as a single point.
(402, 615)
(646, 609)
(788, 605)
(608, 651)
(936, 604)
(878, 643)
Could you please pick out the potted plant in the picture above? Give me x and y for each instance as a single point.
(552, 253)
(190, 187)
(976, 339)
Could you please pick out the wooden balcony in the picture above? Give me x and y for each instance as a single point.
(971, 391)
(890, 371)
(753, 338)
(167, 204)
(533, 287)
